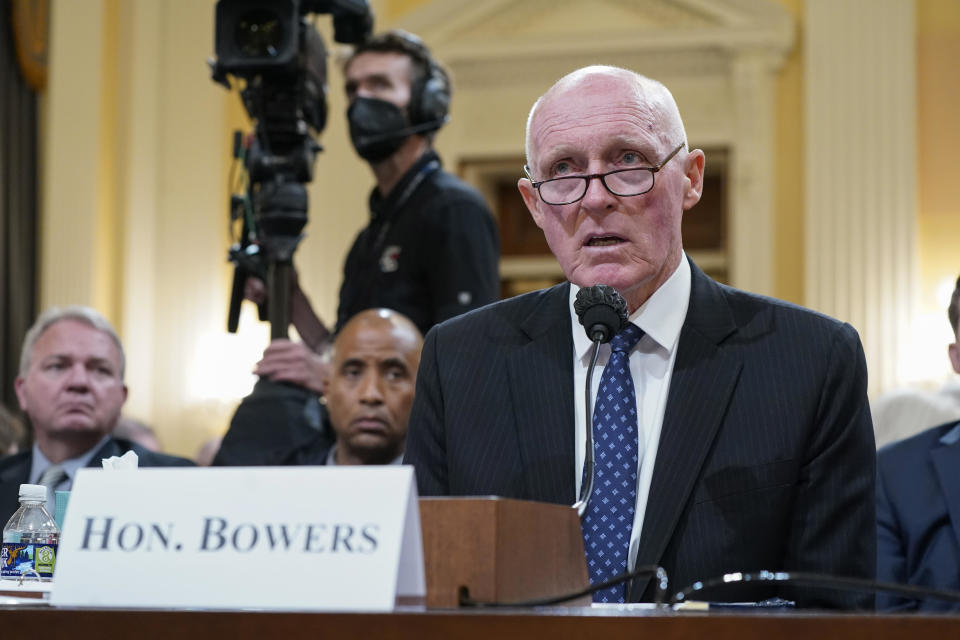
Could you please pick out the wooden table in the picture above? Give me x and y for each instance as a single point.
(554, 623)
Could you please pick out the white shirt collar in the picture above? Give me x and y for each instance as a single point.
(661, 317)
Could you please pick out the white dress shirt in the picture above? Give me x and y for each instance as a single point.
(651, 364)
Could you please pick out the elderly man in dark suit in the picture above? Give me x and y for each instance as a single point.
(918, 505)
(732, 432)
(71, 387)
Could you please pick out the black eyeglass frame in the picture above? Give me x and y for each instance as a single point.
(603, 179)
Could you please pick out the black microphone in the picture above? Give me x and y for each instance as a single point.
(603, 313)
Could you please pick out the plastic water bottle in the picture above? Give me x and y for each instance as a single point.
(31, 537)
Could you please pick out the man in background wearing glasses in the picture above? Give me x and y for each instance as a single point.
(731, 432)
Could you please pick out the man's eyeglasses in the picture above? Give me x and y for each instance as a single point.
(619, 182)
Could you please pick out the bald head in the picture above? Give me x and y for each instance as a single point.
(370, 388)
(387, 321)
(655, 103)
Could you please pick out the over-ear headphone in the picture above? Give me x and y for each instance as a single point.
(430, 92)
(430, 97)
(430, 89)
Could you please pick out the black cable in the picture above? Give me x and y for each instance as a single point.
(819, 580)
(646, 570)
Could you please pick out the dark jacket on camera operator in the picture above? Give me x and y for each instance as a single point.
(431, 249)
(429, 252)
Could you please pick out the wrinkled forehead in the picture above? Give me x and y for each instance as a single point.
(639, 106)
(76, 338)
(375, 342)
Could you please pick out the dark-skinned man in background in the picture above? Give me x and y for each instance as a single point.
(369, 392)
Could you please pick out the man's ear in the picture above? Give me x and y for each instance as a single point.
(693, 170)
(532, 199)
(21, 393)
(325, 384)
(954, 351)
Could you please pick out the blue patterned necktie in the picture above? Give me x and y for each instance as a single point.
(609, 518)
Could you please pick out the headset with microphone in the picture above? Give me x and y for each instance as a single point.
(429, 97)
(429, 105)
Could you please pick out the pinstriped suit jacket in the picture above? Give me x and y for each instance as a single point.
(766, 457)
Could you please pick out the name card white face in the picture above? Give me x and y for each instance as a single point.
(291, 538)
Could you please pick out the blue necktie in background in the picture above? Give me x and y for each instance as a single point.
(609, 518)
(51, 479)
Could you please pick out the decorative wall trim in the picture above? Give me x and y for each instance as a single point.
(860, 92)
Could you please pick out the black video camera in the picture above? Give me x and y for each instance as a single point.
(282, 62)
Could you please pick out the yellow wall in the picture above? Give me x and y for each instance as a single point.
(393, 10)
(938, 138)
(788, 194)
(69, 172)
(107, 271)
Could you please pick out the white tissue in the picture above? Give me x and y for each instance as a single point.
(125, 462)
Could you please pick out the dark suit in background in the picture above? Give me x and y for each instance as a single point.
(918, 515)
(766, 455)
(278, 424)
(15, 469)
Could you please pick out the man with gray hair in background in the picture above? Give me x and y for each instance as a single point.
(70, 386)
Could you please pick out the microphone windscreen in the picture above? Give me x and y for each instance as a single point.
(602, 311)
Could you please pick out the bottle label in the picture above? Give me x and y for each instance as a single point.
(17, 558)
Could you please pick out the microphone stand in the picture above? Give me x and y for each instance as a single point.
(602, 313)
(586, 488)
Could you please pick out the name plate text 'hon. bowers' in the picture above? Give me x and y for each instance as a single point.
(292, 538)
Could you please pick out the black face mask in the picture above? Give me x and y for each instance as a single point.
(377, 128)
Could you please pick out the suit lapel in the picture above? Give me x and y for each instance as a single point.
(946, 462)
(541, 387)
(16, 471)
(109, 449)
(704, 377)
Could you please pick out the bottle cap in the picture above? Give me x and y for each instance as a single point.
(33, 492)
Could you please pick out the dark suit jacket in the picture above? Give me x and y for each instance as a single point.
(918, 515)
(277, 424)
(15, 469)
(766, 457)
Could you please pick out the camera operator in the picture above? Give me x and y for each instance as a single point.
(430, 250)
